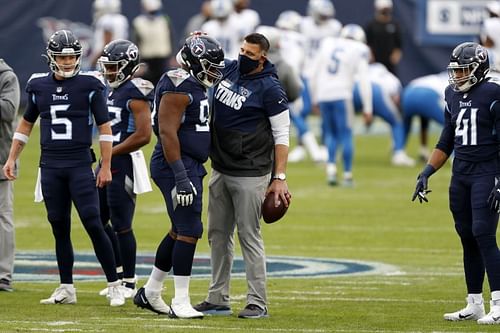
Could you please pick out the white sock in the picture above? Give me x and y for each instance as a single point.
(115, 283)
(331, 169)
(155, 281)
(495, 295)
(477, 298)
(347, 175)
(181, 284)
(68, 286)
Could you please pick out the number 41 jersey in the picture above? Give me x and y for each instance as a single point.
(66, 108)
(472, 124)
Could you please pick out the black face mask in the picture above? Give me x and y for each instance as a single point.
(246, 65)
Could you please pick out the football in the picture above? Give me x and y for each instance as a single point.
(270, 213)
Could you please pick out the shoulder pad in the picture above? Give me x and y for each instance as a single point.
(177, 76)
(144, 86)
(95, 74)
(37, 75)
(494, 79)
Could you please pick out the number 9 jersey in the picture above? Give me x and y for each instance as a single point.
(193, 133)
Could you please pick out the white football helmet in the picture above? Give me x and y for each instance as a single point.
(221, 9)
(289, 20)
(320, 10)
(353, 31)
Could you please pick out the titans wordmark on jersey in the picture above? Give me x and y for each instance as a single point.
(122, 119)
(194, 132)
(66, 108)
(472, 119)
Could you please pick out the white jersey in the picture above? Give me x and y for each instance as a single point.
(292, 49)
(379, 74)
(314, 33)
(115, 23)
(337, 66)
(437, 82)
(248, 20)
(227, 32)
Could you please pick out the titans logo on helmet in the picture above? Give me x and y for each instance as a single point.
(481, 54)
(197, 47)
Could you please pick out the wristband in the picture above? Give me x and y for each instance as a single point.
(428, 171)
(106, 138)
(21, 137)
(178, 169)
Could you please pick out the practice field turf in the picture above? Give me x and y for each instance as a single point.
(374, 221)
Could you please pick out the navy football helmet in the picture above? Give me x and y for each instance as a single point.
(468, 65)
(203, 57)
(118, 62)
(63, 43)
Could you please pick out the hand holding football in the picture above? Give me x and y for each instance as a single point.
(270, 212)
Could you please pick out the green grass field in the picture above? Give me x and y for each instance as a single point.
(374, 221)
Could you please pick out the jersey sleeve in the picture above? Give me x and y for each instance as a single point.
(98, 105)
(275, 100)
(143, 90)
(31, 114)
(445, 143)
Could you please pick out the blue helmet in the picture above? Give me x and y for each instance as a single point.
(468, 65)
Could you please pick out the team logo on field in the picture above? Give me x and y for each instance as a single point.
(40, 266)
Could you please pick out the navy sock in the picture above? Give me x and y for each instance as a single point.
(128, 249)
(163, 258)
(183, 258)
(473, 265)
(491, 258)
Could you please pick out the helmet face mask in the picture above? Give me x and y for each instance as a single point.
(64, 54)
(468, 66)
(203, 58)
(118, 62)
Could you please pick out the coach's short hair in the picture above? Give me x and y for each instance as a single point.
(260, 39)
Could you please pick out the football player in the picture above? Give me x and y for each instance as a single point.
(224, 26)
(66, 100)
(129, 104)
(180, 121)
(340, 62)
(472, 131)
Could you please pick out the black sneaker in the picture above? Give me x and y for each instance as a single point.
(252, 311)
(155, 304)
(5, 285)
(213, 309)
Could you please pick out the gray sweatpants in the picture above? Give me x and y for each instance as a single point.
(6, 229)
(236, 202)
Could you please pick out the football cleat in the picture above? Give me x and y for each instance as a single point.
(62, 295)
(154, 303)
(493, 317)
(128, 292)
(115, 295)
(473, 311)
(182, 309)
(401, 159)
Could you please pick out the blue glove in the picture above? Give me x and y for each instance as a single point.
(421, 186)
(184, 188)
(494, 198)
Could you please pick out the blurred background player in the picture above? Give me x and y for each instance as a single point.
(109, 24)
(196, 21)
(66, 100)
(339, 63)
(129, 105)
(386, 90)
(224, 26)
(152, 33)
(181, 125)
(424, 97)
(489, 36)
(319, 24)
(248, 18)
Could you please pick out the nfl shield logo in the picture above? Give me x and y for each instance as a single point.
(59, 90)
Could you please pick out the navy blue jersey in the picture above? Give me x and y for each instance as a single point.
(242, 141)
(471, 128)
(122, 118)
(66, 108)
(194, 131)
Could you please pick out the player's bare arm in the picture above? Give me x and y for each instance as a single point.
(20, 139)
(142, 135)
(172, 107)
(106, 145)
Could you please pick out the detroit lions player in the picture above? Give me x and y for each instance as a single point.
(472, 131)
(66, 100)
(340, 62)
(181, 125)
(129, 106)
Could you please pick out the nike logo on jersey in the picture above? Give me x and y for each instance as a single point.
(461, 316)
(281, 101)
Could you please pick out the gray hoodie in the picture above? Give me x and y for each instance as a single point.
(9, 103)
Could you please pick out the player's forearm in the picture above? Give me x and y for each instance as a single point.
(20, 139)
(280, 158)
(105, 144)
(132, 143)
(171, 146)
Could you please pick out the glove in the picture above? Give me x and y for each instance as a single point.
(184, 188)
(185, 192)
(421, 186)
(494, 198)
